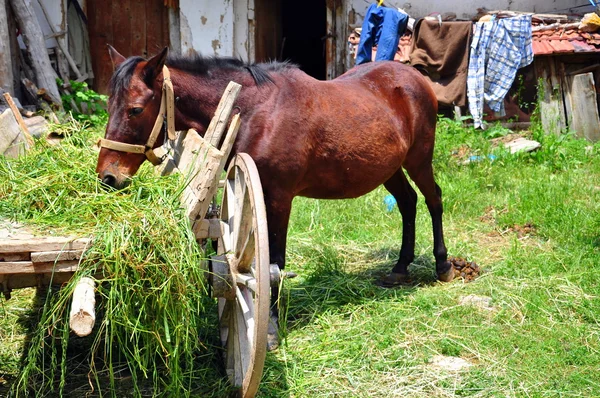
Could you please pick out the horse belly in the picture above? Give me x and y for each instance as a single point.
(349, 178)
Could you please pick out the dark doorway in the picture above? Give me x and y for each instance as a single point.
(304, 31)
(295, 31)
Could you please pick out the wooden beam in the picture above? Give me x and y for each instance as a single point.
(219, 121)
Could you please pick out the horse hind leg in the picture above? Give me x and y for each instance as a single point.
(278, 206)
(406, 199)
(423, 178)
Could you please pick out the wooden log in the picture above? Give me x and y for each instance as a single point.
(18, 117)
(6, 72)
(36, 46)
(83, 313)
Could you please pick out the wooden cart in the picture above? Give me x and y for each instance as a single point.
(240, 275)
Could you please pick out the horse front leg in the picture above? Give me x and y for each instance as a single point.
(278, 206)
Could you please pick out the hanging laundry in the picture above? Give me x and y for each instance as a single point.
(382, 27)
(499, 48)
(442, 49)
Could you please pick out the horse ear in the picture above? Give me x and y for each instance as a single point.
(116, 58)
(154, 66)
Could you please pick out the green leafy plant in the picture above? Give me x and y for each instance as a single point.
(85, 104)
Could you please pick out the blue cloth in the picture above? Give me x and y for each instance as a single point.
(498, 49)
(382, 27)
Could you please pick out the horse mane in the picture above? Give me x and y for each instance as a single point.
(199, 65)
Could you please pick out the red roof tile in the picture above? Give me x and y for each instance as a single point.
(561, 41)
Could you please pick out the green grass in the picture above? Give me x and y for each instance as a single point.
(344, 336)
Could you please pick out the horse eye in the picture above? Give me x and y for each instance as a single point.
(135, 111)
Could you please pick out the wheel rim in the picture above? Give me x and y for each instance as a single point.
(244, 316)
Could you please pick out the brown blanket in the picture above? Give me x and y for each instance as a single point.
(443, 51)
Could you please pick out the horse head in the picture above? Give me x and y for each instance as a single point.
(134, 105)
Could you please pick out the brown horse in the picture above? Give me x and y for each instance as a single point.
(320, 139)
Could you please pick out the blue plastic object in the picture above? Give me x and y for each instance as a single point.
(390, 202)
(476, 158)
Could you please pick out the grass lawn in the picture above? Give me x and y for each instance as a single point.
(529, 326)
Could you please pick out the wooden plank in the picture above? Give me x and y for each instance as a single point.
(204, 174)
(12, 142)
(101, 33)
(584, 118)
(219, 121)
(20, 256)
(138, 28)
(19, 281)
(43, 244)
(153, 22)
(56, 255)
(551, 102)
(28, 267)
(121, 26)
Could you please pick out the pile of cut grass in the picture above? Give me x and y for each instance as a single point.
(151, 298)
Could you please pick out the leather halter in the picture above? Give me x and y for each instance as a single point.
(167, 109)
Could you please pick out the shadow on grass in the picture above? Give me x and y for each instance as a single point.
(326, 286)
(210, 378)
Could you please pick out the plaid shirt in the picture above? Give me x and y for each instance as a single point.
(498, 49)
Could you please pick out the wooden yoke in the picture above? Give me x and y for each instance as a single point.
(202, 161)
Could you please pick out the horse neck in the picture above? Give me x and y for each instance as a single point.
(197, 97)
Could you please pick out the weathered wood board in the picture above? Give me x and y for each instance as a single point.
(28, 261)
(582, 111)
(550, 102)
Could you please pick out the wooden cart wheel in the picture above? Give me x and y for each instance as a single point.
(244, 312)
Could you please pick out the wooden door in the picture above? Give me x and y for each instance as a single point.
(267, 28)
(133, 27)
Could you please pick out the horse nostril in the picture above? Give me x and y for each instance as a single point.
(110, 180)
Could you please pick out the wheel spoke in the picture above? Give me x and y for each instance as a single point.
(244, 344)
(245, 254)
(238, 374)
(247, 280)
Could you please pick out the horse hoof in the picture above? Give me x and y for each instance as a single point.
(394, 279)
(272, 341)
(447, 276)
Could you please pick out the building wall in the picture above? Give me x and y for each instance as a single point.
(216, 27)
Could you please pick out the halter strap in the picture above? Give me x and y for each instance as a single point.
(167, 108)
